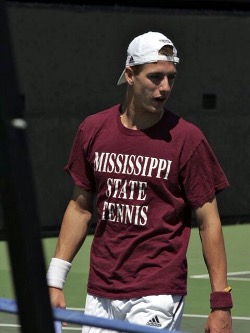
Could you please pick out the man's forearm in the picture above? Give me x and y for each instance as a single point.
(214, 254)
(213, 246)
(73, 231)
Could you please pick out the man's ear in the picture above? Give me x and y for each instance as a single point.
(129, 75)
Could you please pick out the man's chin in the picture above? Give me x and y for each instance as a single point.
(158, 105)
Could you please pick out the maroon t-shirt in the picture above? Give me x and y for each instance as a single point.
(146, 184)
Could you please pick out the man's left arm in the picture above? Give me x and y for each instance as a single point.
(213, 248)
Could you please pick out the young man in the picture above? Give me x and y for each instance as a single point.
(148, 169)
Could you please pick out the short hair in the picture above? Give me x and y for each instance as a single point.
(166, 50)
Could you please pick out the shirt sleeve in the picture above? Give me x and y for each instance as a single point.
(202, 176)
(78, 167)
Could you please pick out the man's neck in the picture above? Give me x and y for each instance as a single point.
(139, 120)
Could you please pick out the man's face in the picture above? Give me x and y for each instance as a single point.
(153, 85)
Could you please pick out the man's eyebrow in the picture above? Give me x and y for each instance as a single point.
(162, 72)
(173, 73)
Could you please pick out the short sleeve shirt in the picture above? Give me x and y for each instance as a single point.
(146, 182)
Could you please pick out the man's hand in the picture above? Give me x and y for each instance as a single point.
(219, 321)
(57, 299)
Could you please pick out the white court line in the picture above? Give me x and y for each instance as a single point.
(236, 273)
(67, 328)
(229, 278)
(184, 315)
(205, 316)
(230, 275)
(64, 328)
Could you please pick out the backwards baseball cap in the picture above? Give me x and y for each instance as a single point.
(145, 49)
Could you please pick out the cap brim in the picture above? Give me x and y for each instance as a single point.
(122, 79)
(163, 57)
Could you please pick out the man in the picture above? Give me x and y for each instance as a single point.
(147, 169)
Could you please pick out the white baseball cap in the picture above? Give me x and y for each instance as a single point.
(145, 49)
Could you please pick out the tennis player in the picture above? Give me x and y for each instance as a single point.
(146, 170)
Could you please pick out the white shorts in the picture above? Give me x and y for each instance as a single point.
(161, 311)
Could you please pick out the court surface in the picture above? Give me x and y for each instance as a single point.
(197, 301)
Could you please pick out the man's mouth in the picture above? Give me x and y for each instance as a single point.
(160, 99)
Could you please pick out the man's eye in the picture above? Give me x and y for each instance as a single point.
(155, 76)
(172, 76)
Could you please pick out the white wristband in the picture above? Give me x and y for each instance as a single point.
(57, 272)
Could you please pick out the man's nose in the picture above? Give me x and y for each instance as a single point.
(165, 85)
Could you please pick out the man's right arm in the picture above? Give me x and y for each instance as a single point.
(73, 232)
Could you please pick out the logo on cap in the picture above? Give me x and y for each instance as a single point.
(131, 60)
(165, 41)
